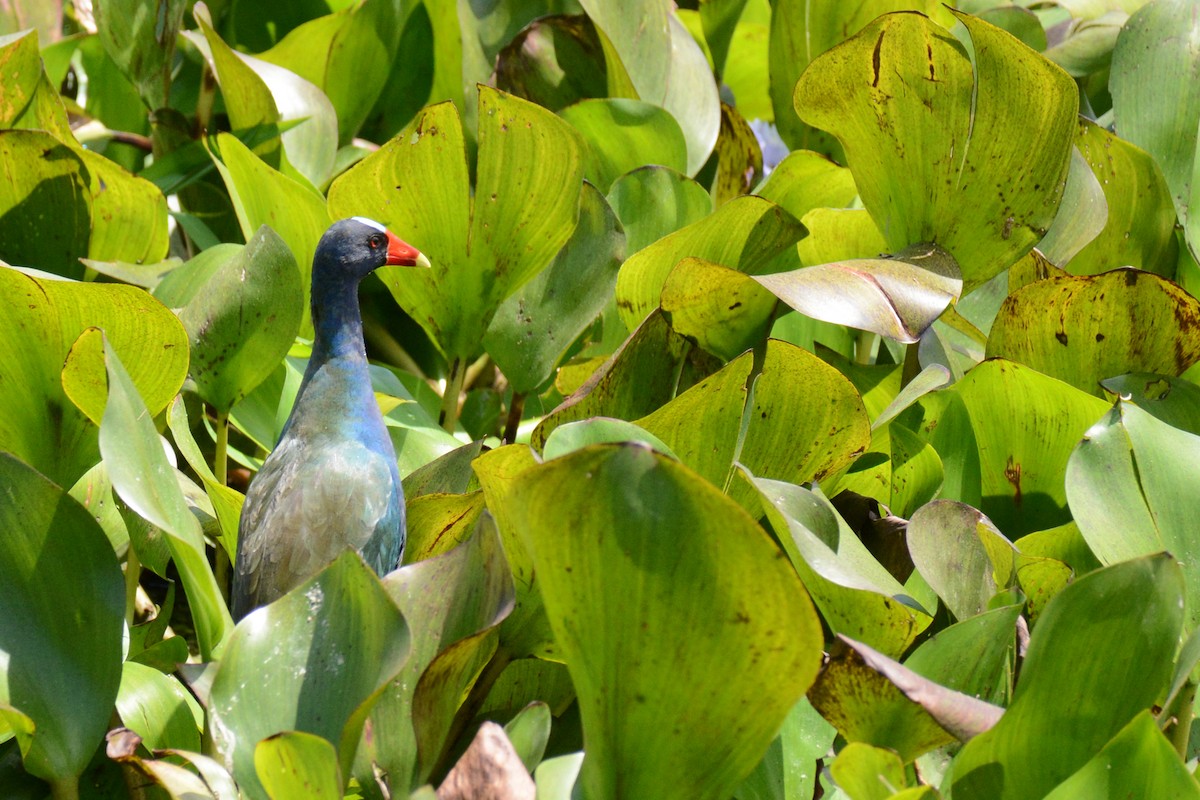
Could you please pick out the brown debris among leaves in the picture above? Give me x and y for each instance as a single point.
(489, 770)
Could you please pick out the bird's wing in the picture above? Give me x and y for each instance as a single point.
(306, 505)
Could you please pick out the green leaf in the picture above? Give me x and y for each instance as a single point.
(944, 540)
(1139, 231)
(226, 501)
(996, 139)
(654, 201)
(854, 592)
(47, 404)
(141, 42)
(599, 430)
(437, 523)
(625, 134)
(61, 617)
(1137, 762)
(534, 327)
(805, 180)
(1175, 401)
(524, 210)
(1080, 684)
(298, 764)
(722, 310)
(1130, 488)
(1156, 97)
(1023, 452)
(243, 320)
(898, 297)
(450, 600)
(748, 234)
(1081, 216)
(144, 479)
(737, 155)
(1097, 327)
(553, 61)
(529, 731)
(868, 773)
(658, 565)
(158, 708)
(314, 661)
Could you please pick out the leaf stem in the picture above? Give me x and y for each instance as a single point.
(448, 417)
(220, 457)
(133, 576)
(65, 788)
(516, 408)
(912, 364)
(863, 346)
(1178, 718)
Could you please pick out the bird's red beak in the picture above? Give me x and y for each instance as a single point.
(401, 253)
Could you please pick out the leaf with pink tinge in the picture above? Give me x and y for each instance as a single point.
(896, 297)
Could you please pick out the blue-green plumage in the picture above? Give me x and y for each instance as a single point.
(331, 483)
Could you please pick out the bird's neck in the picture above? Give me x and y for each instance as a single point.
(337, 324)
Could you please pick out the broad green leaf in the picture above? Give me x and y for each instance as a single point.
(789, 769)
(437, 523)
(805, 181)
(524, 209)
(1062, 543)
(144, 479)
(748, 234)
(450, 473)
(1139, 231)
(973, 657)
(534, 327)
(720, 422)
(243, 320)
(868, 773)
(314, 661)
(554, 61)
(450, 600)
(996, 139)
(722, 310)
(140, 40)
(746, 69)
(663, 65)
(658, 565)
(1096, 327)
(158, 708)
(598, 430)
(737, 156)
(1130, 488)
(652, 202)
(61, 617)
(1175, 401)
(1088, 44)
(528, 732)
(1080, 684)
(840, 234)
(624, 134)
(944, 540)
(129, 214)
(1156, 97)
(898, 297)
(298, 764)
(854, 592)
(259, 92)
(1023, 452)
(801, 30)
(264, 196)
(226, 501)
(1081, 216)
(941, 418)
(40, 424)
(1137, 762)
(929, 379)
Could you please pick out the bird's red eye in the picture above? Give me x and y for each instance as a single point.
(376, 242)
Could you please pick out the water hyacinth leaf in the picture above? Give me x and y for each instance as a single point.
(724, 311)
(739, 159)
(933, 377)
(805, 180)
(854, 592)
(798, 36)
(158, 708)
(528, 732)
(141, 42)
(61, 641)
(534, 327)
(526, 203)
(623, 134)
(1082, 214)
(1129, 492)
(868, 773)
(553, 61)
(448, 474)
(1175, 401)
(1080, 684)
(52, 398)
(449, 599)
(1156, 99)
(944, 540)
(973, 657)
(997, 139)
(748, 234)
(129, 213)
(437, 523)
(839, 234)
(258, 92)
(243, 321)
(1064, 327)
(704, 425)
(654, 201)
(1138, 762)
(1023, 454)
(666, 567)
(312, 661)
(298, 764)
(599, 430)
(897, 297)
(264, 196)
(226, 501)
(1139, 231)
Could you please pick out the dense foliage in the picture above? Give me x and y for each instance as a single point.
(802, 401)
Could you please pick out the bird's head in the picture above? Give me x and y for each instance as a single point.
(357, 246)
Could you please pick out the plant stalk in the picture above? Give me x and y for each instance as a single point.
(863, 346)
(912, 364)
(448, 417)
(133, 576)
(224, 560)
(1179, 719)
(516, 408)
(65, 788)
